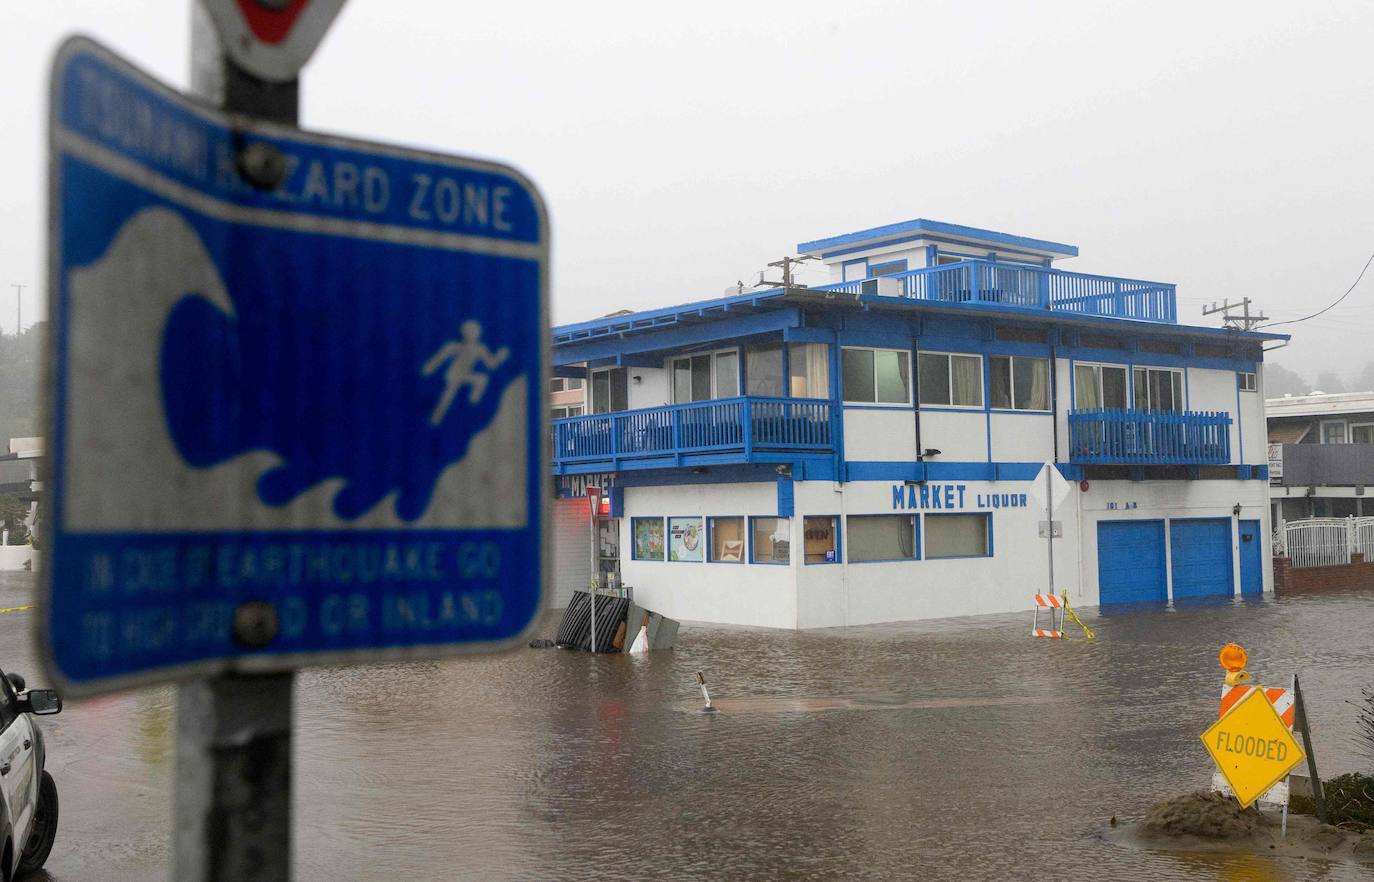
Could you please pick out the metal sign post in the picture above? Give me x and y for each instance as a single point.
(294, 400)
(233, 755)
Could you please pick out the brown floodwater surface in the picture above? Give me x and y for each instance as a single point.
(961, 749)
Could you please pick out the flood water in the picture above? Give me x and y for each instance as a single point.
(961, 749)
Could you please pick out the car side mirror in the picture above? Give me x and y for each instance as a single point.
(41, 702)
(17, 681)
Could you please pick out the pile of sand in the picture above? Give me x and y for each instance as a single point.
(1205, 815)
(1212, 822)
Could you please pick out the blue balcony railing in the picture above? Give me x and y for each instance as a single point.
(1139, 437)
(737, 429)
(1026, 287)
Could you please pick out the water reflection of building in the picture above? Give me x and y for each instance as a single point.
(872, 449)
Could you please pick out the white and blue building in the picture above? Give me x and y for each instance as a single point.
(871, 450)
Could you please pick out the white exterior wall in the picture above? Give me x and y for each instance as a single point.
(1210, 389)
(960, 437)
(1023, 437)
(1253, 423)
(741, 594)
(650, 391)
(800, 595)
(881, 435)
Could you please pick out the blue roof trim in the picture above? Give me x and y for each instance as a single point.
(923, 225)
(653, 318)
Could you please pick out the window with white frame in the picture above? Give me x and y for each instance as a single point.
(1019, 382)
(1362, 433)
(560, 413)
(876, 376)
(565, 384)
(950, 379)
(1099, 386)
(1245, 381)
(706, 376)
(1158, 389)
(1333, 432)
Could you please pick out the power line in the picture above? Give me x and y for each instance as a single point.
(1329, 306)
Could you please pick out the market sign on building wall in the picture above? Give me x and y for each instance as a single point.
(951, 497)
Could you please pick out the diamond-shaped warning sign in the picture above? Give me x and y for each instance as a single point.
(1252, 747)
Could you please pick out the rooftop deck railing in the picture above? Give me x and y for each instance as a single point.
(742, 426)
(1027, 287)
(1139, 437)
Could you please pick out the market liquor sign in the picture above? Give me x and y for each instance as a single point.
(1252, 747)
(291, 425)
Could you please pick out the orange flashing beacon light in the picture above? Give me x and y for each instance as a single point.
(1234, 658)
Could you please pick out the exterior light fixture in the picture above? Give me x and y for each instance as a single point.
(929, 452)
(1236, 511)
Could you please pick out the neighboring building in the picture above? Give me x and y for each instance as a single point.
(19, 479)
(872, 450)
(1321, 455)
(566, 397)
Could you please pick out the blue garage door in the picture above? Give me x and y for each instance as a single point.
(1200, 550)
(1130, 561)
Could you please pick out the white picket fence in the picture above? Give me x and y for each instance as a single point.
(1325, 542)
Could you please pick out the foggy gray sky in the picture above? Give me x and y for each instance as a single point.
(1224, 146)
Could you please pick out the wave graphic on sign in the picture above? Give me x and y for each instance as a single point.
(228, 421)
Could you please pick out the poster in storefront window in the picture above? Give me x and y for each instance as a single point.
(648, 539)
(686, 539)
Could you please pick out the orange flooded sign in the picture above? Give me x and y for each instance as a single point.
(1252, 747)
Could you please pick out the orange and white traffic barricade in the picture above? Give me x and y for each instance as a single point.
(1233, 658)
(1055, 605)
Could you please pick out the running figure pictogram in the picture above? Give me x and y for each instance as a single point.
(463, 357)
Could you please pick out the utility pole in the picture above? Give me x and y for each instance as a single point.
(1243, 322)
(785, 265)
(18, 309)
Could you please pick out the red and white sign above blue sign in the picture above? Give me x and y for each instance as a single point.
(272, 39)
(288, 426)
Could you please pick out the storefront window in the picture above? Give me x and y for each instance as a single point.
(686, 539)
(727, 539)
(956, 535)
(772, 540)
(880, 537)
(648, 538)
(821, 539)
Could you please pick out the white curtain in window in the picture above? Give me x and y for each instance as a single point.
(1087, 395)
(966, 380)
(1038, 371)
